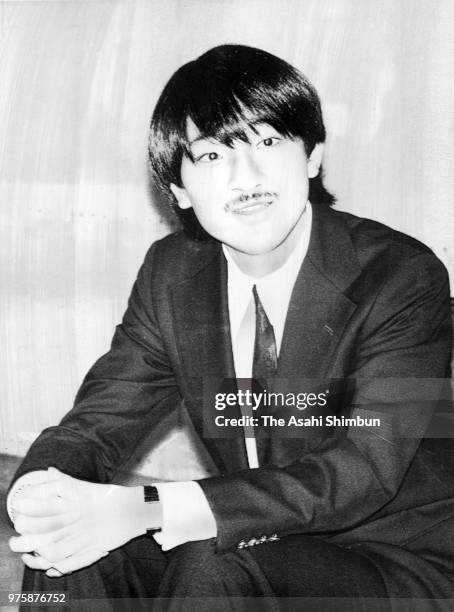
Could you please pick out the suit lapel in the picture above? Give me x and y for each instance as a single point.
(319, 308)
(318, 313)
(202, 331)
(316, 319)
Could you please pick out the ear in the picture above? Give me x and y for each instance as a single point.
(314, 161)
(181, 196)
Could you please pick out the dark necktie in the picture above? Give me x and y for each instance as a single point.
(264, 366)
(264, 363)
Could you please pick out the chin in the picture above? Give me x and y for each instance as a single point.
(256, 248)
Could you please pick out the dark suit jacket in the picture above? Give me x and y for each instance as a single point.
(369, 303)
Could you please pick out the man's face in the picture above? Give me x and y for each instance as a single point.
(251, 195)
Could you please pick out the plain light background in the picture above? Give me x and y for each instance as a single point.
(78, 82)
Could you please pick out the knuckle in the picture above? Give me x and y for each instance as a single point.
(21, 524)
(19, 505)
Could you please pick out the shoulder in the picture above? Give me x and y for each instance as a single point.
(177, 257)
(368, 235)
(401, 283)
(379, 247)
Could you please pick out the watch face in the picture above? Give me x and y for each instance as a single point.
(150, 494)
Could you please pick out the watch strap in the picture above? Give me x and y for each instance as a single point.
(151, 496)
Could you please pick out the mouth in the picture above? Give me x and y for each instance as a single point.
(249, 205)
(252, 207)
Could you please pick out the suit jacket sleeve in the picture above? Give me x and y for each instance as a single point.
(346, 479)
(124, 394)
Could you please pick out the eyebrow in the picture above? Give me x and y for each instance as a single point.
(251, 125)
(191, 142)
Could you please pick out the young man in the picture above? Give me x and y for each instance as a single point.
(266, 281)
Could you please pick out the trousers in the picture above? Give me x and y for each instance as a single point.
(194, 578)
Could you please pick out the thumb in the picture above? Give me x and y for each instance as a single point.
(54, 474)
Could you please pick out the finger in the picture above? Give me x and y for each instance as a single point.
(53, 573)
(35, 525)
(27, 543)
(50, 506)
(51, 488)
(71, 564)
(36, 562)
(56, 484)
(68, 547)
(21, 544)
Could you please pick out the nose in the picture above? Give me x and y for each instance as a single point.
(245, 171)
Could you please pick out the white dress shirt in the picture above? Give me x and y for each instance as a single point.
(186, 513)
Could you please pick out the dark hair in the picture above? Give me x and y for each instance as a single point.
(225, 88)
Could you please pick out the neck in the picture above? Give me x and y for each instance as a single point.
(266, 263)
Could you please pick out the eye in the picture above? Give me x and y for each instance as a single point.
(208, 157)
(271, 141)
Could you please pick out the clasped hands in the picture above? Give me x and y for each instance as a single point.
(66, 524)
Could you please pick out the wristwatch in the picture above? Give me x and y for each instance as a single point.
(151, 496)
